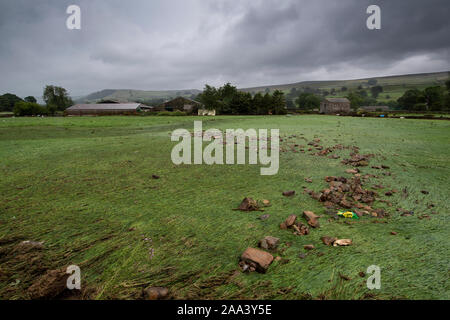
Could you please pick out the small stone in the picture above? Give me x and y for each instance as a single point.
(264, 217)
(266, 202)
(393, 233)
(269, 243)
(283, 226)
(259, 258)
(302, 256)
(308, 247)
(352, 171)
(328, 240)
(154, 176)
(424, 192)
(156, 293)
(290, 220)
(288, 193)
(342, 242)
(313, 220)
(362, 274)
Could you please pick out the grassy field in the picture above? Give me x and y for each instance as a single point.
(84, 186)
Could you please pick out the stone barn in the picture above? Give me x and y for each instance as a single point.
(106, 109)
(181, 104)
(335, 105)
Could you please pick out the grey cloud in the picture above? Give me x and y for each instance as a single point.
(175, 44)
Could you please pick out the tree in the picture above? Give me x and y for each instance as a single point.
(7, 101)
(372, 82)
(56, 98)
(210, 98)
(23, 108)
(308, 101)
(344, 89)
(410, 98)
(30, 99)
(290, 104)
(376, 90)
(241, 103)
(434, 98)
(278, 102)
(356, 100)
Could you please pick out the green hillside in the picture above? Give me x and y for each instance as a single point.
(393, 86)
(136, 95)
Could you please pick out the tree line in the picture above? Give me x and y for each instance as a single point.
(55, 98)
(228, 100)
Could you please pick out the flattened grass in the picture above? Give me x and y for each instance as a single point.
(84, 186)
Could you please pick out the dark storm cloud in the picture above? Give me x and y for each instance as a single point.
(184, 44)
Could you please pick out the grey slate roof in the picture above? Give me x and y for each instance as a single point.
(105, 106)
(337, 100)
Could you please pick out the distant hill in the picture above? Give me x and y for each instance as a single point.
(135, 95)
(393, 88)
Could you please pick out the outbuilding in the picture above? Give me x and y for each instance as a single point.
(181, 104)
(106, 109)
(335, 105)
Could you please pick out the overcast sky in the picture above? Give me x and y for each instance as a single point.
(183, 44)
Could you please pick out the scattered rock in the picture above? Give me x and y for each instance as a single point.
(393, 233)
(154, 176)
(342, 242)
(264, 217)
(266, 202)
(424, 192)
(254, 259)
(352, 171)
(328, 240)
(248, 204)
(362, 274)
(156, 293)
(288, 193)
(302, 256)
(283, 226)
(290, 220)
(269, 243)
(311, 218)
(309, 180)
(308, 247)
(388, 193)
(300, 229)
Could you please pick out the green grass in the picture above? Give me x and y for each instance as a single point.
(81, 183)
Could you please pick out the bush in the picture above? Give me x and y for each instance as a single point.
(171, 113)
(23, 108)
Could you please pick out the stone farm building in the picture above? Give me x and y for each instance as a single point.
(107, 109)
(335, 105)
(181, 104)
